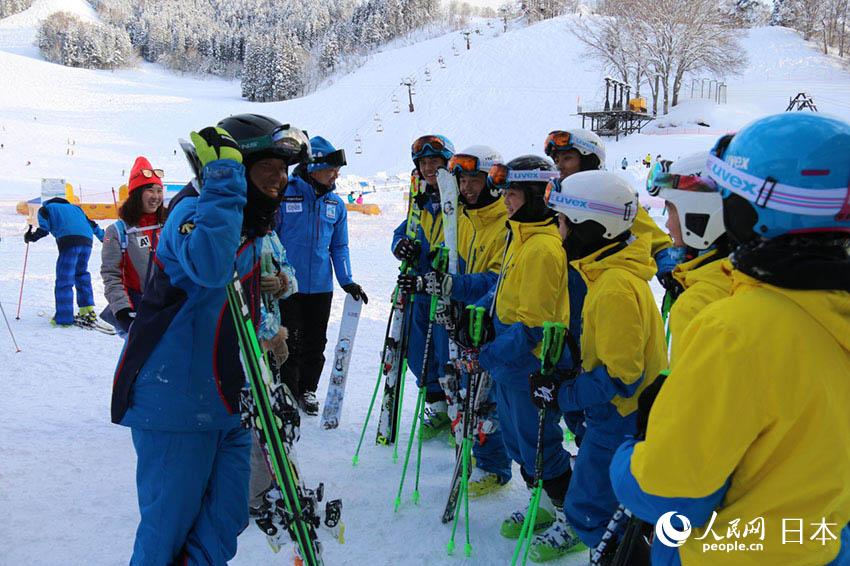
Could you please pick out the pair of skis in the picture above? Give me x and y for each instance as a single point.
(274, 416)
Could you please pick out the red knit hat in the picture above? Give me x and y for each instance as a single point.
(138, 179)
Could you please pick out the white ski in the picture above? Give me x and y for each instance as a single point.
(342, 357)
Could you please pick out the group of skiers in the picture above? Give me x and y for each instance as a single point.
(745, 420)
(757, 273)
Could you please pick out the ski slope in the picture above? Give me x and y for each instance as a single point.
(67, 486)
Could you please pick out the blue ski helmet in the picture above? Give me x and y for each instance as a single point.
(784, 174)
(431, 145)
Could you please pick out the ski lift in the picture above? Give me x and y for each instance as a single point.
(396, 109)
(427, 75)
(358, 149)
(442, 62)
(412, 90)
(377, 118)
(394, 98)
(380, 128)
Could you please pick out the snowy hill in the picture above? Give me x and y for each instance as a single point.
(67, 475)
(509, 90)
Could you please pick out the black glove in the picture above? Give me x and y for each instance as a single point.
(673, 287)
(409, 284)
(464, 338)
(29, 236)
(544, 390)
(125, 318)
(406, 249)
(645, 401)
(357, 292)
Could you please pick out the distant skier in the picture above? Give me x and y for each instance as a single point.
(179, 378)
(351, 198)
(624, 164)
(313, 227)
(129, 245)
(73, 231)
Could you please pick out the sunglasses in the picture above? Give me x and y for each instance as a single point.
(557, 140)
(149, 173)
(433, 143)
(500, 176)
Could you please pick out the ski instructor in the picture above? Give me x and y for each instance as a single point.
(179, 378)
(313, 226)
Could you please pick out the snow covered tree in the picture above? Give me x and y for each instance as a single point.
(65, 39)
(9, 7)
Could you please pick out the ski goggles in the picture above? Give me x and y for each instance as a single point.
(432, 145)
(692, 183)
(333, 159)
(557, 140)
(501, 176)
(463, 164)
(289, 141)
(149, 173)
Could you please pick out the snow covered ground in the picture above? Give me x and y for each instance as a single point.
(67, 490)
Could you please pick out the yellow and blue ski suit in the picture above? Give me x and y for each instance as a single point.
(705, 279)
(778, 360)
(623, 350)
(533, 290)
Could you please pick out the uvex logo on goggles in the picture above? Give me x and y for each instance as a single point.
(500, 176)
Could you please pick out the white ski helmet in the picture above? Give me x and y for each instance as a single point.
(600, 196)
(484, 157)
(696, 198)
(583, 141)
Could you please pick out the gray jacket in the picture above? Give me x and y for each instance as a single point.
(121, 279)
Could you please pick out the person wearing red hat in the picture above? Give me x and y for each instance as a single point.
(130, 243)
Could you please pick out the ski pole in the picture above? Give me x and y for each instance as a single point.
(420, 405)
(610, 530)
(356, 457)
(23, 274)
(550, 352)
(12, 334)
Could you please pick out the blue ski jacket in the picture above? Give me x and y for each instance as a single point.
(313, 227)
(68, 224)
(180, 368)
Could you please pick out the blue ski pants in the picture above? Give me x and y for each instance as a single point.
(518, 419)
(72, 270)
(590, 501)
(193, 495)
(438, 352)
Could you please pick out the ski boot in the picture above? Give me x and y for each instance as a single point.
(436, 420)
(309, 404)
(55, 324)
(87, 316)
(558, 540)
(512, 526)
(271, 518)
(483, 483)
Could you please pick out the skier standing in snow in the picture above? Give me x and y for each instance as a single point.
(582, 150)
(751, 424)
(313, 227)
(429, 153)
(129, 245)
(695, 222)
(622, 348)
(481, 247)
(179, 378)
(73, 231)
(532, 290)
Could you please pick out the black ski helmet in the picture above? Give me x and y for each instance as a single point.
(534, 209)
(293, 146)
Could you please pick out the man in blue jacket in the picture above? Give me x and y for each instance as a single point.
(179, 378)
(313, 226)
(73, 231)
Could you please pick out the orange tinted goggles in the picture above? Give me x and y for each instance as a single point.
(557, 140)
(463, 164)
